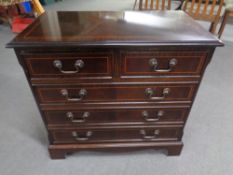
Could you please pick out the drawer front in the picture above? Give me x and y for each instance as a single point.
(161, 63)
(134, 93)
(117, 116)
(116, 135)
(70, 65)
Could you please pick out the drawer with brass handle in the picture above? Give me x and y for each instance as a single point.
(116, 135)
(126, 116)
(140, 63)
(126, 93)
(70, 65)
(78, 65)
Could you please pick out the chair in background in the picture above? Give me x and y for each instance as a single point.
(152, 5)
(206, 10)
(12, 8)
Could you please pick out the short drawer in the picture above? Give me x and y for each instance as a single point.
(116, 135)
(148, 63)
(127, 116)
(70, 65)
(80, 94)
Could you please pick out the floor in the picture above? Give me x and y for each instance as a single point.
(208, 138)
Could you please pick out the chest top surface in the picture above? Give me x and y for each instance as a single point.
(114, 28)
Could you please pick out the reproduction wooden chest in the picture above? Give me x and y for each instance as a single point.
(114, 80)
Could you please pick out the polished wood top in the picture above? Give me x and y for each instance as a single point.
(114, 28)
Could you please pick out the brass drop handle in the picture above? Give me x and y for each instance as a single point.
(79, 64)
(81, 137)
(146, 116)
(146, 136)
(70, 116)
(153, 62)
(150, 92)
(82, 93)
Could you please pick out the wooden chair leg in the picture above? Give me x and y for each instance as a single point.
(38, 8)
(213, 26)
(135, 3)
(223, 23)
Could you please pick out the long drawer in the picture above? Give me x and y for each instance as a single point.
(126, 93)
(152, 63)
(116, 135)
(127, 116)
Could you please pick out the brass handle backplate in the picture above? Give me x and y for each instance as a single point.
(146, 136)
(153, 63)
(146, 116)
(81, 137)
(82, 119)
(79, 64)
(150, 92)
(82, 93)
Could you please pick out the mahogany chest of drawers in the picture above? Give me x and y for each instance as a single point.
(114, 80)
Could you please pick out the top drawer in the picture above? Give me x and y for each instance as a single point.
(83, 65)
(152, 63)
